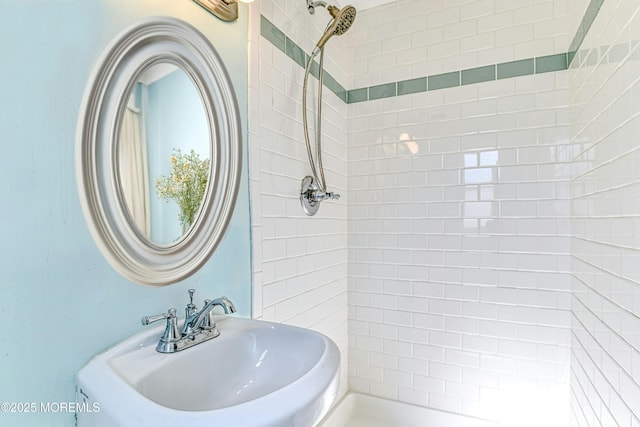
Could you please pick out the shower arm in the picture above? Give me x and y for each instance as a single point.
(311, 5)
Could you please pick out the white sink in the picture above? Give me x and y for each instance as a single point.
(255, 374)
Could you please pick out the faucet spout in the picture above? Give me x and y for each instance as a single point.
(202, 317)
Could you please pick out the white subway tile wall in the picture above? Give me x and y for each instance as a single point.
(416, 38)
(459, 214)
(605, 122)
(300, 263)
(481, 259)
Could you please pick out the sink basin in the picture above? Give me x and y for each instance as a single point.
(255, 374)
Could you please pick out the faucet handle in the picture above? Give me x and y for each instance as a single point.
(191, 307)
(146, 320)
(171, 335)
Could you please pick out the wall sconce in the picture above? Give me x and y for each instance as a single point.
(227, 10)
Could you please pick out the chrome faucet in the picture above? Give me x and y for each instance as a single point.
(203, 319)
(199, 326)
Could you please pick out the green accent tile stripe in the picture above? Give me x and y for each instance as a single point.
(443, 81)
(407, 87)
(546, 64)
(583, 29)
(334, 86)
(383, 91)
(272, 33)
(479, 75)
(294, 52)
(277, 38)
(618, 52)
(520, 68)
(358, 95)
(523, 67)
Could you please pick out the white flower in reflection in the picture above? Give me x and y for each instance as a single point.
(186, 184)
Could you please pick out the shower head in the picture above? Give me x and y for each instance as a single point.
(342, 21)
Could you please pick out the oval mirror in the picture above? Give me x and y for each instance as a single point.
(158, 153)
(163, 153)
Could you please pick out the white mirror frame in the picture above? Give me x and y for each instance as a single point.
(136, 257)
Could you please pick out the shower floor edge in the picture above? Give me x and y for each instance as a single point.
(361, 410)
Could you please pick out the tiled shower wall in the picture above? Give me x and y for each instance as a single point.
(459, 227)
(605, 124)
(460, 203)
(300, 262)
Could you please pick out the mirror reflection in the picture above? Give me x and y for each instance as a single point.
(164, 153)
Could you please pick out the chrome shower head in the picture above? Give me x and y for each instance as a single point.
(342, 21)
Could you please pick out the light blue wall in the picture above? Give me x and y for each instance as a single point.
(60, 301)
(174, 119)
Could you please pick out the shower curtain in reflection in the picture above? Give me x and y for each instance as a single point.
(132, 153)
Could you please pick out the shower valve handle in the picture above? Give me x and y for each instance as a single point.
(316, 195)
(311, 195)
(326, 196)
